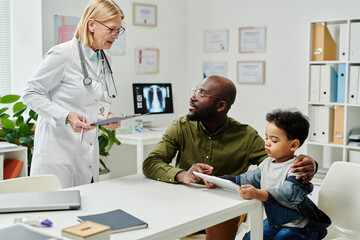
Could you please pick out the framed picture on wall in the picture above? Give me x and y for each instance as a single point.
(216, 40)
(214, 68)
(144, 14)
(251, 72)
(147, 60)
(64, 28)
(251, 39)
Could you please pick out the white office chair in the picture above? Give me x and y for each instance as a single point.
(39, 183)
(339, 198)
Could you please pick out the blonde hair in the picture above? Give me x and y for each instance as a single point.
(100, 10)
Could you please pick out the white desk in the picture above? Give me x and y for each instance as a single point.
(140, 140)
(171, 210)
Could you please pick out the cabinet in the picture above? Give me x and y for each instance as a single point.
(333, 91)
(17, 152)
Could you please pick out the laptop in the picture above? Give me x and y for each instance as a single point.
(40, 201)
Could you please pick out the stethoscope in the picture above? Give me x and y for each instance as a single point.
(87, 79)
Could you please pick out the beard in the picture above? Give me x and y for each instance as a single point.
(202, 114)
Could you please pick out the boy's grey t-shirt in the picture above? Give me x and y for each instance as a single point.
(273, 175)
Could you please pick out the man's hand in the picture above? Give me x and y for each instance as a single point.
(306, 165)
(189, 177)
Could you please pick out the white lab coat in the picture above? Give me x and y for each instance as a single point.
(55, 89)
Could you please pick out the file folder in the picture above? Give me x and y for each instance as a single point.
(315, 83)
(353, 84)
(321, 123)
(343, 56)
(323, 45)
(339, 125)
(328, 84)
(354, 41)
(354, 156)
(341, 83)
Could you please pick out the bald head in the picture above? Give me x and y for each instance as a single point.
(222, 87)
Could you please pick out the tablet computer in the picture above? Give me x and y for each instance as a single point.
(226, 184)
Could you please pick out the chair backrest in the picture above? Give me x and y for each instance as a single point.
(339, 197)
(39, 183)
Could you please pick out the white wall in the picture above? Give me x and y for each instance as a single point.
(27, 41)
(179, 36)
(287, 48)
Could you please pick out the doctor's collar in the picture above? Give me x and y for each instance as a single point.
(89, 53)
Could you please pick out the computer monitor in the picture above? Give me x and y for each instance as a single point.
(153, 98)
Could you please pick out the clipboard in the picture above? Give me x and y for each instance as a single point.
(116, 119)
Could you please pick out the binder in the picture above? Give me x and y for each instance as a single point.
(328, 84)
(340, 98)
(315, 83)
(321, 123)
(354, 41)
(323, 45)
(12, 168)
(339, 125)
(353, 84)
(343, 42)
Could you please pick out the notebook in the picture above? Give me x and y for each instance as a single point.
(40, 201)
(118, 220)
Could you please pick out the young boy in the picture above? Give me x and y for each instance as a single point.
(290, 213)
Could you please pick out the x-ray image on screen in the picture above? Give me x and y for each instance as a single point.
(155, 98)
(152, 98)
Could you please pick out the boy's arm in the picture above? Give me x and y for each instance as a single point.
(250, 192)
(292, 192)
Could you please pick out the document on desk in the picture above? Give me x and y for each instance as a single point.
(118, 220)
(116, 119)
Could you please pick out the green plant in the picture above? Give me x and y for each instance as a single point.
(16, 129)
(106, 138)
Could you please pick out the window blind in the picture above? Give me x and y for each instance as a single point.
(5, 47)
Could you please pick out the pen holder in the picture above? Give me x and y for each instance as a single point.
(138, 126)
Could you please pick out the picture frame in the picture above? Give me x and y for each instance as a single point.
(147, 60)
(216, 40)
(214, 68)
(251, 72)
(144, 15)
(252, 39)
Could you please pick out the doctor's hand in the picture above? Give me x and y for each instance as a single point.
(111, 126)
(189, 177)
(76, 122)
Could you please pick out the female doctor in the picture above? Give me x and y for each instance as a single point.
(67, 90)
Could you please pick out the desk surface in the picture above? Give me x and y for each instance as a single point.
(145, 135)
(171, 210)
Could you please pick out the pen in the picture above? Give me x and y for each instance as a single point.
(82, 131)
(132, 115)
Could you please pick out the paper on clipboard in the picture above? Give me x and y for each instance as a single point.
(116, 119)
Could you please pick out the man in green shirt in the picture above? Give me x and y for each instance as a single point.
(207, 140)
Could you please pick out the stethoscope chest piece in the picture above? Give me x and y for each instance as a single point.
(87, 81)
